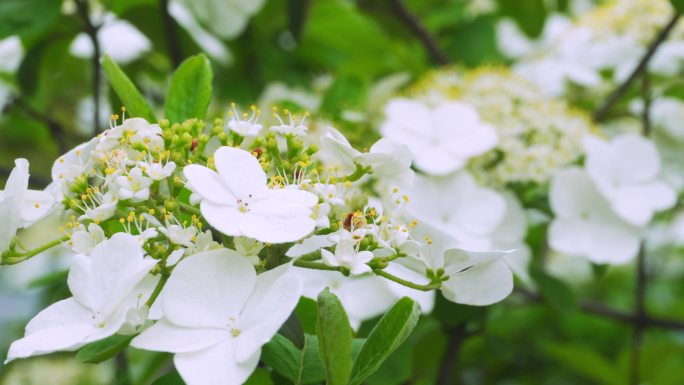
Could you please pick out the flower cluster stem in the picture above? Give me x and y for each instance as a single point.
(12, 258)
(394, 278)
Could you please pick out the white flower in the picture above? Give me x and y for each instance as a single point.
(85, 239)
(101, 284)
(243, 124)
(134, 186)
(236, 200)
(347, 255)
(456, 205)
(390, 161)
(442, 138)
(118, 38)
(217, 315)
(475, 278)
(134, 130)
(336, 149)
(73, 164)
(248, 247)
(627, 172)
(19, 206)
(100, 207)
(179, 235)
(329, 194)
(158, 170)
(293, 127)
(585, 225)
(225, 18)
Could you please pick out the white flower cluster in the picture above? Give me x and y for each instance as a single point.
(611, 38)
(199, 241)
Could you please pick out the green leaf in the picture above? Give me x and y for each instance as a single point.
(530, 15)
(102, 350)
(299, 366)
(392, 330)
(292, 330)
(172, 378)
(49, 279)
(27, 18)
(307, 310)
(190, 91)
(587, 362)
(554, 291)
(334, 338)
(678, 5)
(123, 86)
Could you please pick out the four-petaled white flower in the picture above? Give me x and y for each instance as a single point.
(585, 225)
(134, 186)
(20, 206)
(442, 138)
(101, 283)
(390, 161)
(626, 171)
(474, 278)
(158, 170)
(85, 239)
(347, 255)
(293, 127)
(244, 124)
(217, 315)
(237, 200)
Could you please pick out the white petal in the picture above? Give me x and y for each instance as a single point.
(62, 326)
(215, 365)
(637, 203)
(240, 172)
(481, 285)
(104, 280)
(36, 205)
(208, 288)
(164, 336)
(225, 219)
(207, 184)
(275, 296)
(438, 161)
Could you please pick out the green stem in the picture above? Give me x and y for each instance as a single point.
(316, 265)
(429, 287)
(189, 208)
(157, 289)
(13, 259)
(358, 173)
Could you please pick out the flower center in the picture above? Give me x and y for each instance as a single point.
(243, 206)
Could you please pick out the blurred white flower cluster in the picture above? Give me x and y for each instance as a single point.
(200, 239)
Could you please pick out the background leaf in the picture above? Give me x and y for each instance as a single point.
(190, 92)
(334, 338)
(130, 96)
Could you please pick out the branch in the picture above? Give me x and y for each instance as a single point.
(457, 335)
(172, 41)
(602, 310)
(603, 111)
(418, 29)
(91, 30)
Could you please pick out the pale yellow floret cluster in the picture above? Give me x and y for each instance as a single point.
(639, 19)
(537, 135)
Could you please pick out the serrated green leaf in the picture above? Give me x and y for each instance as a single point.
(102, 350)
(392, 330)
(334, 338)
(299, 366)
(135, 103)
(190, 92)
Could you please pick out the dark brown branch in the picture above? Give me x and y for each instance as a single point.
(91, 30)
(171, 34)
(418, 29)
(457, 335)
(602, 310)
(614, 97)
